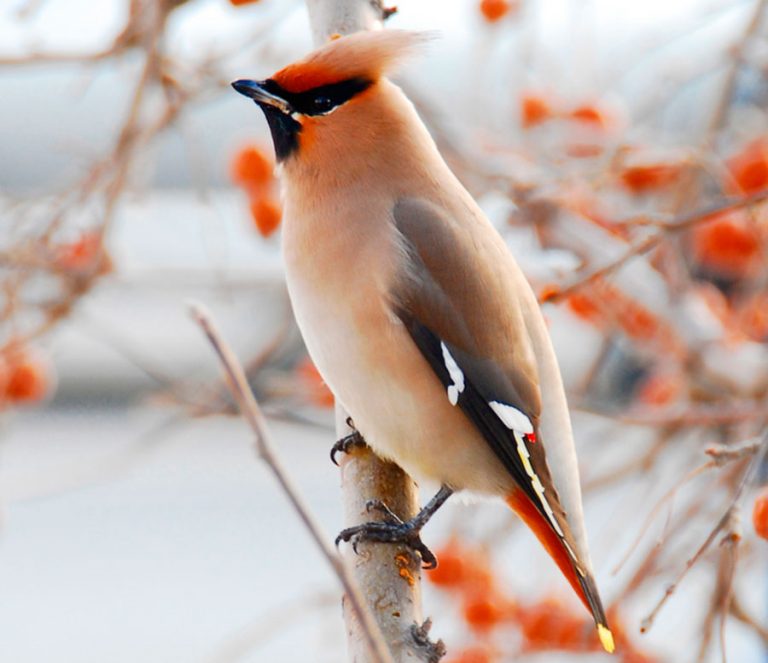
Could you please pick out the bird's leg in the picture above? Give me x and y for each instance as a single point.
(347, 443)
(394, 530)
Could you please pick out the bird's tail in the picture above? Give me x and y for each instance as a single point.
(583, 582)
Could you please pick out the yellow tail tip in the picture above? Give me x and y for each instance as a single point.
(606, 638)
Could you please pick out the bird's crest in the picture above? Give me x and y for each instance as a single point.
(365, 55)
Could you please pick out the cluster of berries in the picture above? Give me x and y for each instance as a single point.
(544, 625)
(253, 171)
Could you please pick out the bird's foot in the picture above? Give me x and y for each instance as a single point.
(390, 530)
(352, 441)
(394, 530)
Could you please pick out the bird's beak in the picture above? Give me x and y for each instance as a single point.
(255, 90)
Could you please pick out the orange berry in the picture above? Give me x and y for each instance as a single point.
(535, 626)
(643, 179)
(463, 568)
(266, 214)
(660, 389)
(550, 625)
(760, 514)
(549, 292)
(84, 255)
(251, 169)
(28, 378)
(729, 245)
(534, 109)
(313, 384)
(638, 322)
(588, 114)
(585, 306)
(495, 10)
(237, 3)
(451, 570)
(477, 578)
(749, 168)
(483, 611)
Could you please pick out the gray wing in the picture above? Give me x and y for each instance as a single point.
(457, 302)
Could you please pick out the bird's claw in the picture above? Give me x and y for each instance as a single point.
(346, 444)
(381, 507)
(392, 530)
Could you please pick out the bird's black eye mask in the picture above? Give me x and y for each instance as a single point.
(283, 109)
(319, 100)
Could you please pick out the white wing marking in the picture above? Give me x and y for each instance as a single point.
(512, 418)
(456, 374)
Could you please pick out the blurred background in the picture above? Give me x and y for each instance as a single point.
(621, 148)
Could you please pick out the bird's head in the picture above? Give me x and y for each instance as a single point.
(320, 90)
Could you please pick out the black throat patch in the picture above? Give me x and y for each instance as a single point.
(285, 132)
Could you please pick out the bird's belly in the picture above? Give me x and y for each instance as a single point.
(395, 400)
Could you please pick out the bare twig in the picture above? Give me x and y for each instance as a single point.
(728, 560)
(739, 612)
(722, 454)
(723, 108)
(657, 507)
(649, 243)
(690, 415)
(722, 595)
(250, 410)
(629, 468)
(724, 521)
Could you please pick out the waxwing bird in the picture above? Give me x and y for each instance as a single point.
(411, 305)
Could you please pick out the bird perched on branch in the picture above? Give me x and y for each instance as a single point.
(411, 305)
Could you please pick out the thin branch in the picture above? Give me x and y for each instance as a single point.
(693, 415)
(649, 243)
(723, 454)
(740, 613)
(723, 108)
(56, 58)
(722, 595)
(625, 470)
(657, 507)
(251, 411)
(726, 573)
(725, 520)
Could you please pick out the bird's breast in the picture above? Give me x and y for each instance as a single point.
(338, 271)
(339, 283)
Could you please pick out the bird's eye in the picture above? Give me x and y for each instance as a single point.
(322, 104)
